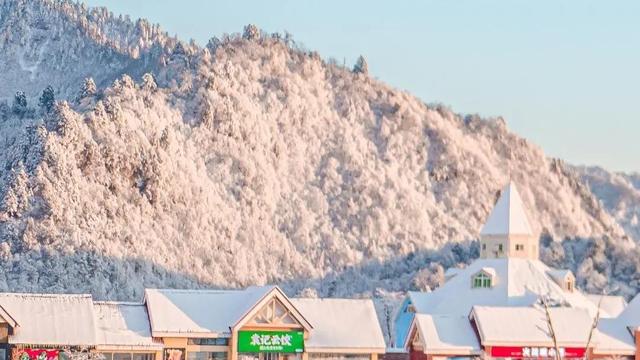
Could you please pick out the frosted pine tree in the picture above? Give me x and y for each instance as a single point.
(87, 89)
(19, 103)
(251, 32)
(361, 66)
(47, 99)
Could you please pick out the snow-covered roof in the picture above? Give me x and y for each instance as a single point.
(521, 282)
(508, 216)
(631, 313)
(560, 275)
(613, 305)
(446, 335)
(451, 272)
(200, 312)
(123, 325)
(613, 337)
(350, 324)
(50, 319)
(489, 271)
(529, 326)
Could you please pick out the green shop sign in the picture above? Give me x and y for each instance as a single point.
(270, 341)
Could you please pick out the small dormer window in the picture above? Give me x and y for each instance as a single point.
(482, 280)
(569, 285)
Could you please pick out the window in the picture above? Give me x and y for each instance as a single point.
(205, 355)
(209, 341)
(173, 354)
(570, 285)
(482, 280)
(143, 356)
(519, 247)
(484, 246)
(500, 247)
(338, 356)
(3, 354)
(127, 356)
(122, 356)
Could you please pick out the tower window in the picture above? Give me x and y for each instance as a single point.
(482, 280)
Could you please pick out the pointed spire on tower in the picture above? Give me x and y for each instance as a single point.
(507, 232)
(508, 216)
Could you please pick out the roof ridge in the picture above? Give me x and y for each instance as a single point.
(47, 295)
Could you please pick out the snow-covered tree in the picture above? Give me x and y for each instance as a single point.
(148, 82)
(48, 99)
(87, 89)
(19, 103)
(251, 32)
(361, 66)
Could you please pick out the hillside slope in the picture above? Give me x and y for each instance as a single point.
(251, 161)
(619, 193)
(59, 43)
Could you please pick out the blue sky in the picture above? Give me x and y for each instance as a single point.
(564, 74)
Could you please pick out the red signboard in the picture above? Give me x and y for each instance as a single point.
(38, 354)
(534, 352)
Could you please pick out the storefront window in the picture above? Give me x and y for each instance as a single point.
(127, 356)
(340, 356)
(209, 341)
(269, 356)
(106, 356)
(143, 356)
(206, 355)
(3, 354)
(173, 354)
(121, 356)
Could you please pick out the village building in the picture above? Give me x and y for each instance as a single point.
(509, 305)
(262, 323)
(259, 323)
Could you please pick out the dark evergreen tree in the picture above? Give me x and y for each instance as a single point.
(361, 66)
(251, 32)
(19, 103)
(47, 99)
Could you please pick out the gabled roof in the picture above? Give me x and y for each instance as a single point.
(561, 274)
(489, 271)
(445, 335)
(506, 326)
(508, 216)
(123, 325)
(48, 319)
(4, 315)
(614, 305)
(521, 282)
(630, 316)
(614, 338)
(350, 324)
(206, 312)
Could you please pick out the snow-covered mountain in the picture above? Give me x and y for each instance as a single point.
(619, 193)
(59, 43)
(251, 161)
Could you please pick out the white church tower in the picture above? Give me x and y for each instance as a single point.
(507, 232)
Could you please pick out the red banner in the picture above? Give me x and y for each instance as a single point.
(535, 352)
(38, 354)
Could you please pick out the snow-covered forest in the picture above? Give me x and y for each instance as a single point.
(154, 162)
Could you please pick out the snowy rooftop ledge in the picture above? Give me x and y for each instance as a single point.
(55, 321)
